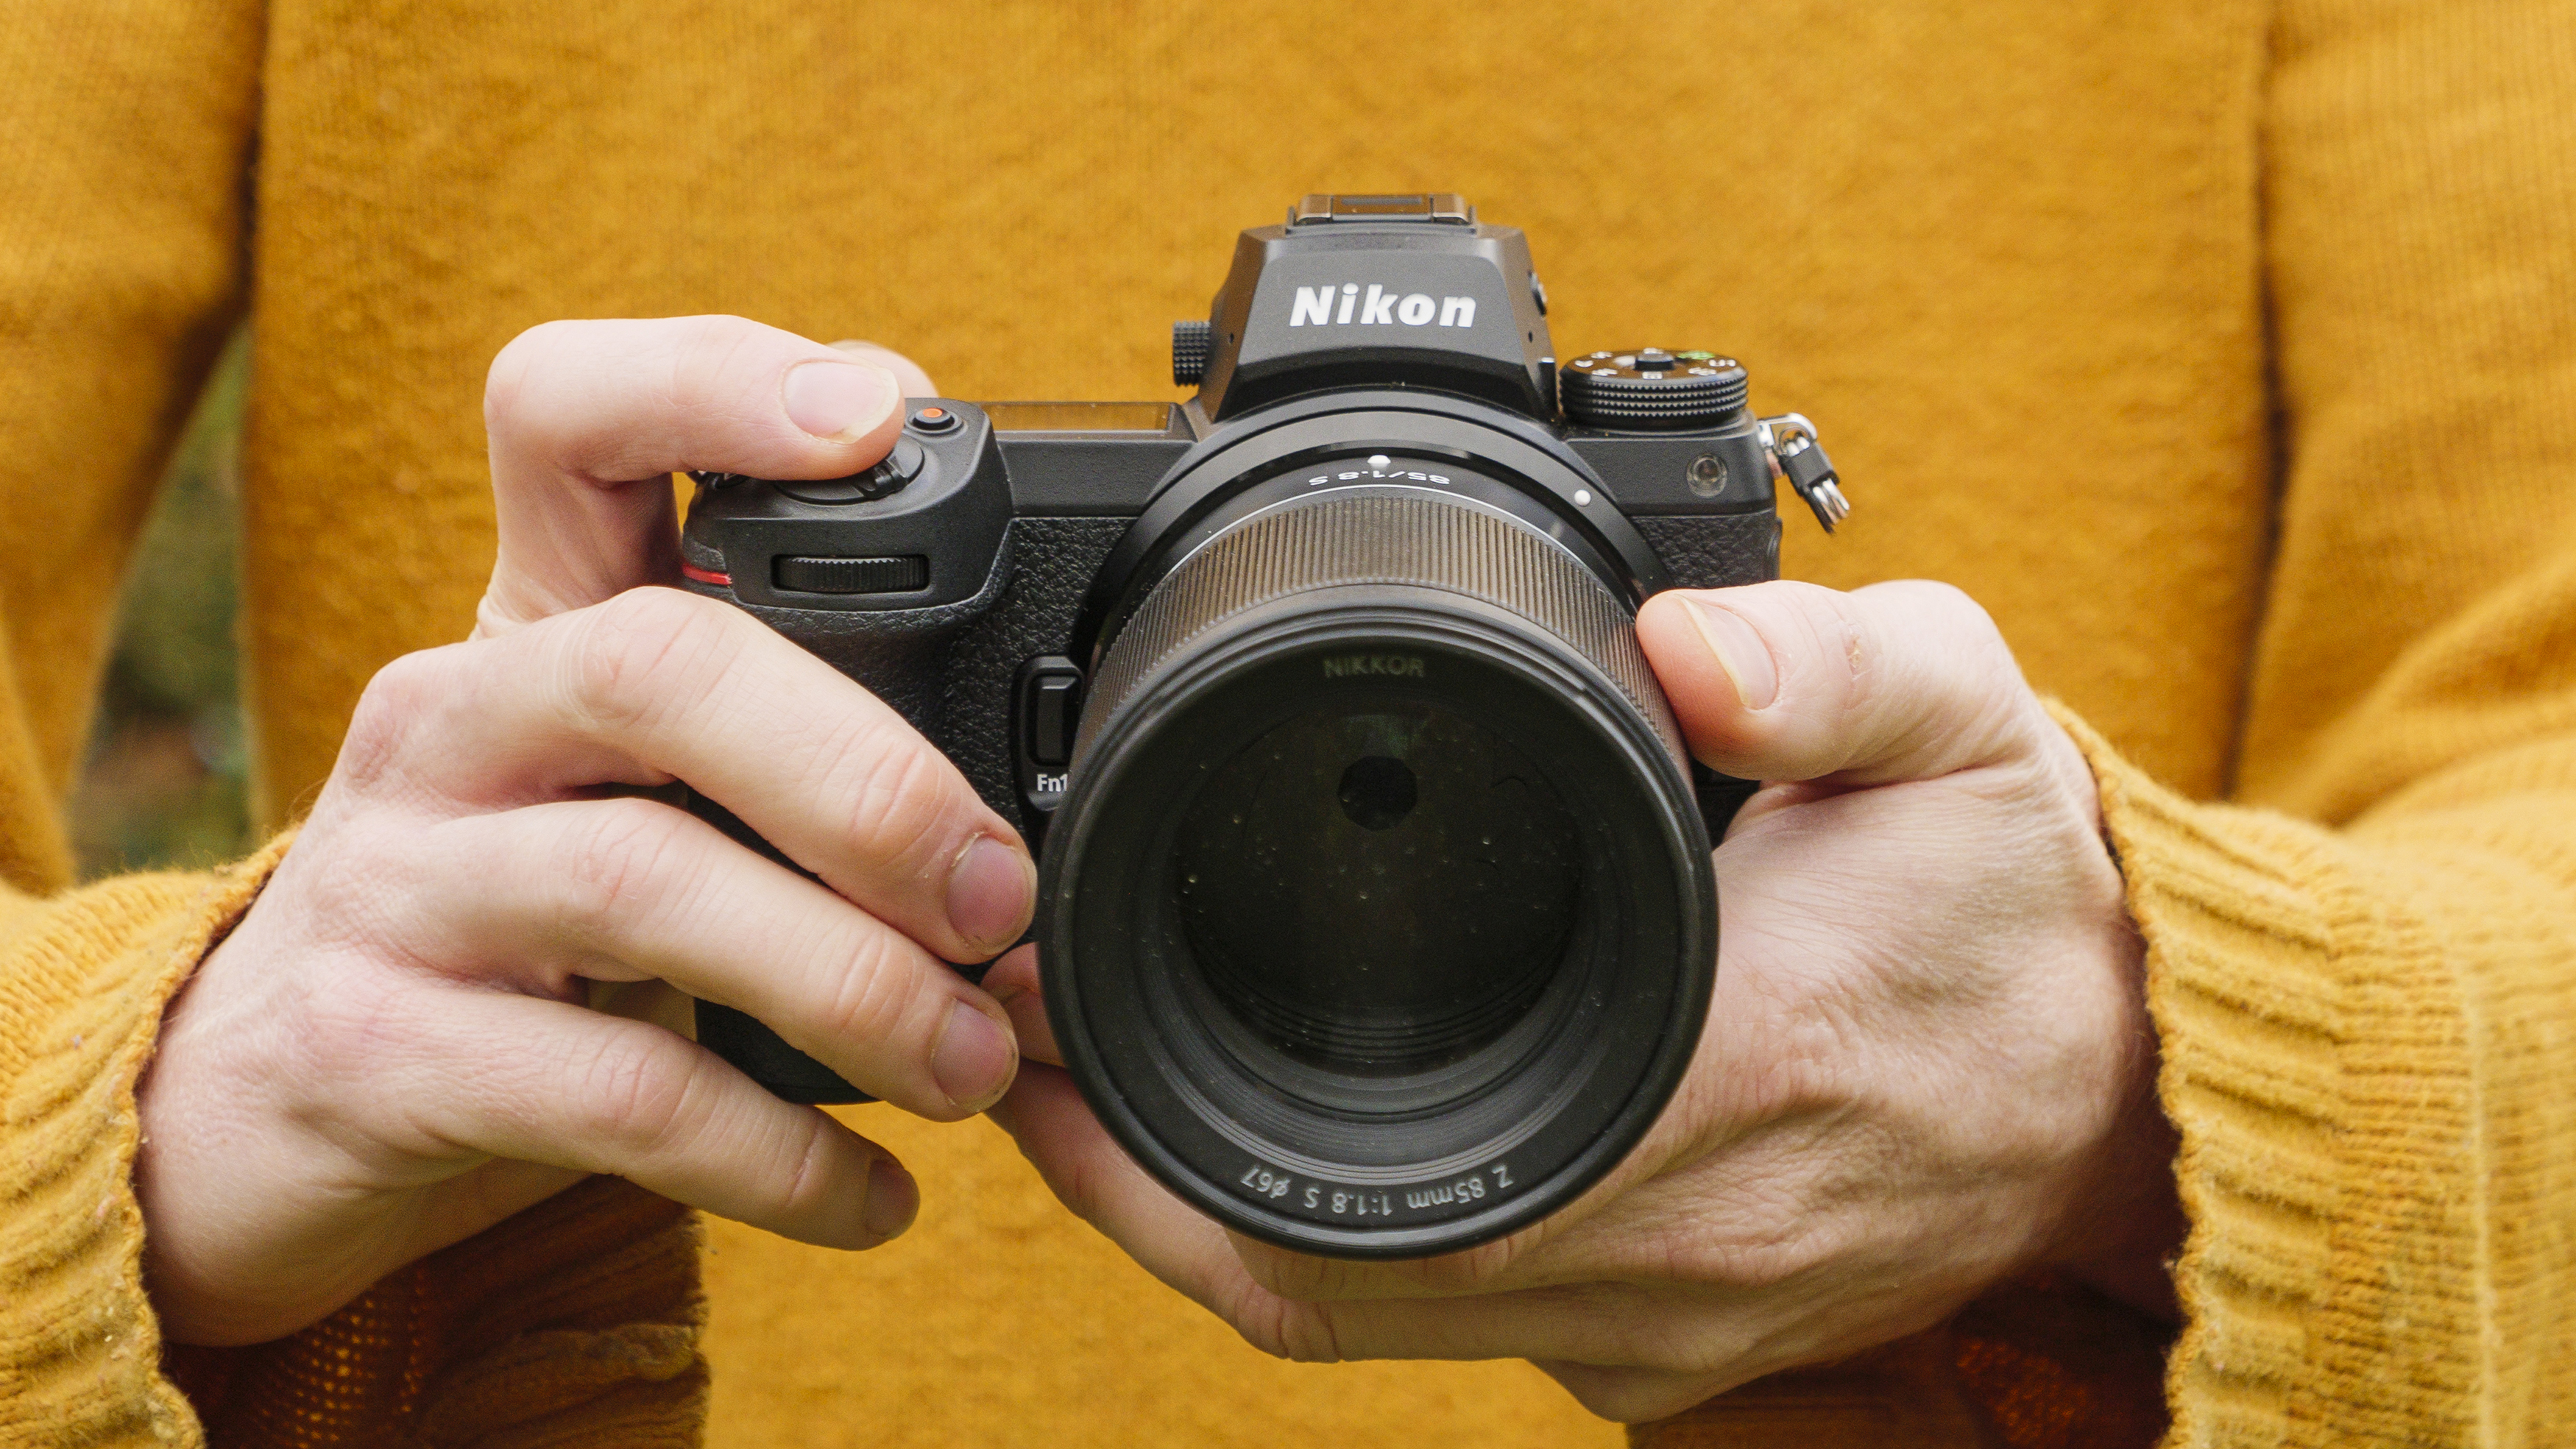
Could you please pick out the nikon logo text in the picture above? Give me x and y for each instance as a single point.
(1350, 664)
(1332, 306)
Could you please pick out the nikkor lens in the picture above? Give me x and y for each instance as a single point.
(1379, 918)
(1378, 892)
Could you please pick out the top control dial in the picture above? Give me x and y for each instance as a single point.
(1649, 388)
(1192, 342)
(890, 476)
(898, 469)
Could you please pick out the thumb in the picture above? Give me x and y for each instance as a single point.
(915, 381)
(1789, 681)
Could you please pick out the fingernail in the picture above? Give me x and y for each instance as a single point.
(839, 401)
(1740, 652)
(893, 1200)
(974, 1058)
(992, 889)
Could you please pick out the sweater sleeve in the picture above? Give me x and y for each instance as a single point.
(120, 272)
(127, 169)
(82, 980)
(2363, 968)
(2362, 965)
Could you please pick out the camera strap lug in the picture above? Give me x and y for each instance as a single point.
(1789, 442)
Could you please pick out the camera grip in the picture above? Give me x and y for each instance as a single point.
(741, 1039)
(1715, 552)
(1720, 796)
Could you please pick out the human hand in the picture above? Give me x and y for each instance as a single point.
(390, 1052)
(1928, 1065)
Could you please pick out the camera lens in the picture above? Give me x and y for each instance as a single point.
(1378, 918)
(1377, 893)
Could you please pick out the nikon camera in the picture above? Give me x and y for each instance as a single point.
(1376, 910)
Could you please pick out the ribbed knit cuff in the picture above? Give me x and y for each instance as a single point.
(83, 982)
(2316, 1064)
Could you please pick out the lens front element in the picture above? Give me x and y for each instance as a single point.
(1379, 918)
(1377, 893)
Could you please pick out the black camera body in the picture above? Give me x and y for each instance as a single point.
(1386, 484)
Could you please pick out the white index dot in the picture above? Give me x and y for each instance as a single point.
(1582, 497)
(1379, 461)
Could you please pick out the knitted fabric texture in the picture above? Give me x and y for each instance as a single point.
(2220, 348)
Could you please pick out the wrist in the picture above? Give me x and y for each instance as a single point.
(2126, 1222)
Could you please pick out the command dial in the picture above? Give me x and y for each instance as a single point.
(899, 468)
(1647, 387)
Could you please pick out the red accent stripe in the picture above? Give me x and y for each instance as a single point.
(706, 576)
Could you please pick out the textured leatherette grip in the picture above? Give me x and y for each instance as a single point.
(1413, 539)
(1053, 563)
(1715, 551)
(948, 672)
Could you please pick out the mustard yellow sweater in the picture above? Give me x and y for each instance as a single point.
(2225, 350)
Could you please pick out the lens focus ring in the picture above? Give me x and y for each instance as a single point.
(1408, 538)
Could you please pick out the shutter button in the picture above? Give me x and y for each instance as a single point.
(899, 468)
(936, 421)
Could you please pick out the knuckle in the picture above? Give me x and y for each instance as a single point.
(514, 371)
(810, 1188)
(636, 1094)
(1308, 1334)
(617, 859)
(635, 655)
(1285, 1328)
(1846, 636)
(391, 712)
(1757, 1264)
(876, 995)
(900, 796)
(349, 1032)
(1078, 1179)
(1952, 620)
(361, 899)
(709, 360)
(1956, 608)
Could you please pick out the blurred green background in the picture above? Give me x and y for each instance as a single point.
(165, 783)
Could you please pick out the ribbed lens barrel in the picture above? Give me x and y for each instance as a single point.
(1379, 918)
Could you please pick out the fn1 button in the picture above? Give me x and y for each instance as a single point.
(1051, 717)
(1046, 713)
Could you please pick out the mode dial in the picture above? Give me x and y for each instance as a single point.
(1191, 344)
(1647, 387)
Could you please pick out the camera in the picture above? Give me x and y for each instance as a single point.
(1376, 908)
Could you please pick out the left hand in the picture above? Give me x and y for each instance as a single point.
(1928, 1065)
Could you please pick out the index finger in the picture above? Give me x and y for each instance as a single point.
(656, 685)
(588, 420)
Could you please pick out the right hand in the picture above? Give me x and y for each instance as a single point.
(392, 1051)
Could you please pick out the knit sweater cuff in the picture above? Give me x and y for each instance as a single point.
(84, 979)
(2313, 1061)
